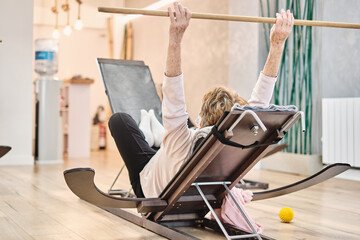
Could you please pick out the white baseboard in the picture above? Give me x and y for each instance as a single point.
(293, 163)
(351, 174)
(302, 164)
(17, 160)
(55, 161)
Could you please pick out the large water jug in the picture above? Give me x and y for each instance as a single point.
(46, 60)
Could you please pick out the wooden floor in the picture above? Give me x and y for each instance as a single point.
(35, 203)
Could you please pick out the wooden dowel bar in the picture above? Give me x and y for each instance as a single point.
(225, 17)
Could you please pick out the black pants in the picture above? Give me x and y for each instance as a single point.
(133, 148)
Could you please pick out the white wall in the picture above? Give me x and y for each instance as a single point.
(78, 52)
(336, 54)
(339, 70)
(89, 13)
(243, 48)
(16, 83)
(77, 56)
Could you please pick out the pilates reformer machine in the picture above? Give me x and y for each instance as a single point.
(236, 143)
(4, 150)
(122, 80)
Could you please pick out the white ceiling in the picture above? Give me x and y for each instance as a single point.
(93, 3)
(97, 3)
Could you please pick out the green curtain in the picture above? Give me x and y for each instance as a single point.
(294, 85)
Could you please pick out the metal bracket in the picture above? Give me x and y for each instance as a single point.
(291, 121)
(120, 192)
(252, 113)
(255, 233)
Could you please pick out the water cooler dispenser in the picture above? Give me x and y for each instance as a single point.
(49, 133)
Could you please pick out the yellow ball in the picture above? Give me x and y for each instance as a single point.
(286, 214)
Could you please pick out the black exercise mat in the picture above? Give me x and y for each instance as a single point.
(130, 87)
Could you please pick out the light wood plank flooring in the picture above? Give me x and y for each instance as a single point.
(35, 203)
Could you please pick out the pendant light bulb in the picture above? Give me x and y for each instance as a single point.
(78, 25)
(67, 30)
(56, 33)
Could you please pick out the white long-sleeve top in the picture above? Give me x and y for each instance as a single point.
(175, 148)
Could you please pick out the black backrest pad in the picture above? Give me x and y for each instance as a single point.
(129, 87)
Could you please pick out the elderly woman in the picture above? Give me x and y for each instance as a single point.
(149, 170)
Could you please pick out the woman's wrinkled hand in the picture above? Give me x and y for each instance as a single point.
(178, 21)
(282, 28)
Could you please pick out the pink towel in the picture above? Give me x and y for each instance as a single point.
(229, 212)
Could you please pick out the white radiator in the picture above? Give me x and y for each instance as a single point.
(341, 131)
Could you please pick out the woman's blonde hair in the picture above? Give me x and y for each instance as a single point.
(216, 102)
